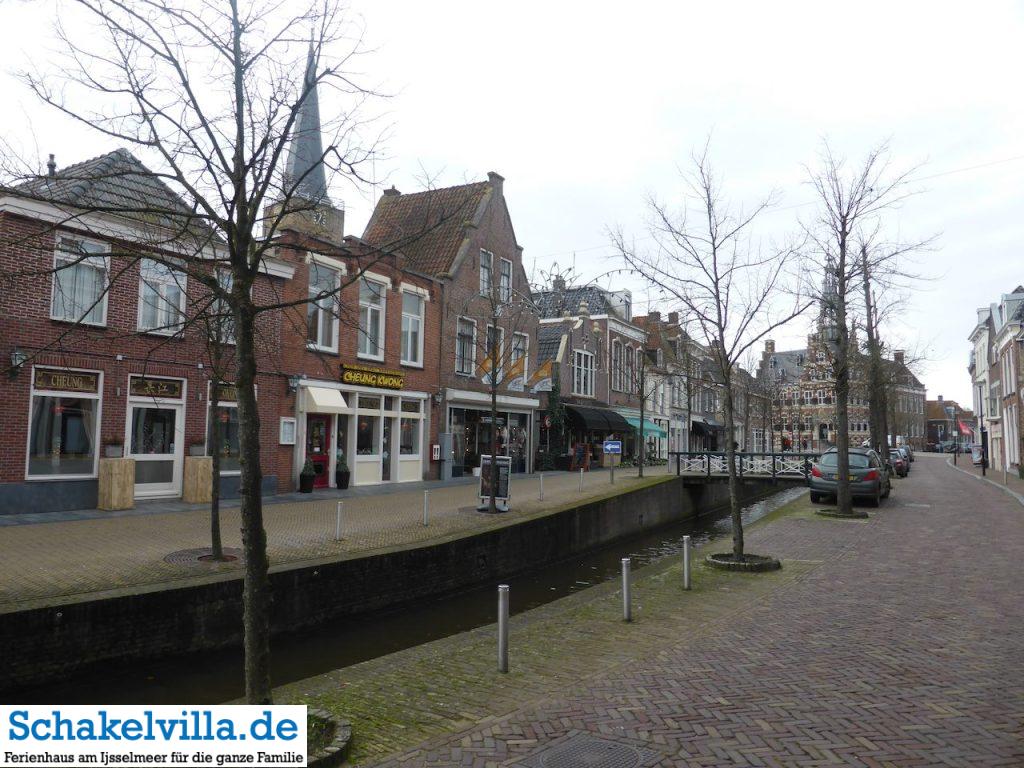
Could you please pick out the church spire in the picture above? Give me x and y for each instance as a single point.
(305, 155)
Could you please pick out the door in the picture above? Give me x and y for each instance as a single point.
(318, 446)
(156, 441)
(385, 454)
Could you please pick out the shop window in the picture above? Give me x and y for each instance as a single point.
(227, 445)
(367, 432)
(371, 402)
(161, 298)
(486, 265)
(62, 437)
(465, 347)
(371, 319)
(411, 406)
(79, 282)
(412, 329)
(321, 315)
(409, 442)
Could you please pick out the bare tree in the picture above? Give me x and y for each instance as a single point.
(736, 293)
(852, 203)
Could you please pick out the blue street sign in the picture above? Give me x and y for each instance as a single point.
(613, 446)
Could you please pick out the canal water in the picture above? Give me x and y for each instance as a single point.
(216, 676)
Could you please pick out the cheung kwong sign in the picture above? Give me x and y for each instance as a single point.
(364, 376)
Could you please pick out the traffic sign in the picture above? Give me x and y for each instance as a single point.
(613, 446)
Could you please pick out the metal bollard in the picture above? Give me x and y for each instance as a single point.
(627, 608)
(337, 523)
(542, 486)
(581, 480)
(503, 627)
(686, 562)
(426, 508)
(613, 471)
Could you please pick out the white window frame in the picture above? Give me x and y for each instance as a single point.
(505, 288)
(472, 347)
(288, 425)
(381, 311)
(98, 396)
(526, 353)
(177, 278)
(332, 300)
(421, 320)
(586, 378)
(617, 365)
(101, 257)
(485, 290)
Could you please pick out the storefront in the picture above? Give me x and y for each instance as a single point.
(155, 434)
(366, 424)
(64, 423)
(588, 428)
(472, 426)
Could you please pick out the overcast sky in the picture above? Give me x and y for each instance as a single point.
(587, 108)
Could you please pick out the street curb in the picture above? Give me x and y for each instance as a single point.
(1019, 497)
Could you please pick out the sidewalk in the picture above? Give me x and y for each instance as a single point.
(1009, 481)
(894, 641)
(55, 560)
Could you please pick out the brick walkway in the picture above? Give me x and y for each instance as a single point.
(1011, 481)
(46, 562)
(895, 641)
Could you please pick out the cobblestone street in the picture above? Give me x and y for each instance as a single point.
(895, 641)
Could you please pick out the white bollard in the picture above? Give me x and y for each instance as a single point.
(426, 508)
(581, 480)
(627, 608)
(686, 562)
(337, 523)
(541, 486)
(503, 627)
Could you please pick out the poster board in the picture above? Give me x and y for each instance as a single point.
(503, 491)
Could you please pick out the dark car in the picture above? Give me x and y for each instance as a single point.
(900, 462)
(869, 477)
(910, 451)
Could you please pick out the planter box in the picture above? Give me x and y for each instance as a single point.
(113, 451)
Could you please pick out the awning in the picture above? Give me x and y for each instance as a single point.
(650, 428)
(597, 419)
(705, 426)
(324, 400)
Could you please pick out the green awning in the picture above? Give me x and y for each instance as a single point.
(650, 428)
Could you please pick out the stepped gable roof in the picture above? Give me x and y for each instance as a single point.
(426, 227)
(116, 183)
(549, 338)
(552, 303)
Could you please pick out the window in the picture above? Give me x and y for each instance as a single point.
(367, 430)
(228, 445)
(520, 350)
(79, 282)
(617, 365)
(465, 347)
(371, 319)
(321, 315)
(286, 432)
(486, 264)
(505, 284)
(493, 351)
(409, 439)
(628, 383)
(639, 368)
(582, 373)
(64, 423)
(161, 298)
(412, 329)
(223, 327)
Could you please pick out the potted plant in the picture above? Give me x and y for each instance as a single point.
(113, 449)
(197, 449)
(342, 475)
(306, 477)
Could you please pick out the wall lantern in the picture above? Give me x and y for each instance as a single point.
(18, 358)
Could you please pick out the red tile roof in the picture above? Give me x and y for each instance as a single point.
(426, 227)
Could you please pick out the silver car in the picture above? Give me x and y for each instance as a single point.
(869, 477)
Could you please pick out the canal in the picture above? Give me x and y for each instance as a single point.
(216, 676)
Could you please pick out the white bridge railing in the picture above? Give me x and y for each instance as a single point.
(716, 464)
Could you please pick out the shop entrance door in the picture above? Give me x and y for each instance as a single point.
(156, 440)
(318, 446)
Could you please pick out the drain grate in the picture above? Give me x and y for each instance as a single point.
(195, 556)
(581, 750)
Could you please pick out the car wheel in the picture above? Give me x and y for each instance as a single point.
(888, 490)
(876, 500)
(815, 498)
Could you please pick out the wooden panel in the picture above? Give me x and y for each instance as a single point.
(116, 484)
(198, 484)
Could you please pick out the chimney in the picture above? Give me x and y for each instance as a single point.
(898, 356)
(51, 166)
(654, 316)
(391, 192)
(673, 318)
(496, 180)
(940, 398)
(769, 346)
(558, 283)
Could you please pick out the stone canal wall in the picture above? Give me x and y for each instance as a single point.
(42, 644)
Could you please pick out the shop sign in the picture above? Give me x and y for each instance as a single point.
(227, 393)
(143, 386)
(67, 381)
(365, 376)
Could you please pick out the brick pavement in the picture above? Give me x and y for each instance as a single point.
(47, 562)
(894, 641)
(1009, 481)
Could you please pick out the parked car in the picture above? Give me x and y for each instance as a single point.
(900, 462)
(869, 477)
(909, 450)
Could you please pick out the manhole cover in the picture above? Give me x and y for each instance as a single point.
(584, 751)
(201, 555)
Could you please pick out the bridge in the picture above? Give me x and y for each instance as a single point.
(777, 466)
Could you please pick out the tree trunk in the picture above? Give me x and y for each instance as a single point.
(256, 594)
(730, 462)
(493, 469)
(216, 435)
(876, 383)
(643, 401)
(844, 501)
